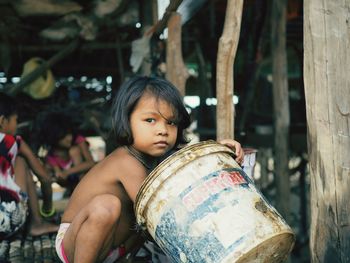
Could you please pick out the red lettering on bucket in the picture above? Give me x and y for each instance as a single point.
(210, 187)
(200, 194)
(232, 178)
(215, 185)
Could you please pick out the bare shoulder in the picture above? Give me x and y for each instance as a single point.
(120, 160)
(131, 171)
(117, 169)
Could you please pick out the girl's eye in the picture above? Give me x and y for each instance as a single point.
(172, 123)
(150, 120)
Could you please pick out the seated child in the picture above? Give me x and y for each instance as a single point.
(69, 156)
(149, 119)
(18, 194)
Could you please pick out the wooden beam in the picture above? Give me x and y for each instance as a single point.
(224, 79)
(82, 47)
(13, 90)
(162, 23)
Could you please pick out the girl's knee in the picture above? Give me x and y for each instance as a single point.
(105, 208)
(74, 150)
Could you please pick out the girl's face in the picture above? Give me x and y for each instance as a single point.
(66, 141)
(152, 126)
(9, 125)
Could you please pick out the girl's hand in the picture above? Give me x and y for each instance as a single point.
(60, 175)
(236, 146)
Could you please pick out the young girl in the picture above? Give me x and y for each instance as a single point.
(68, 157)
(17, 189)
(149, 119)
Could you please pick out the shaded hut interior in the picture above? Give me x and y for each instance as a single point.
(91, 47)
(97, 65)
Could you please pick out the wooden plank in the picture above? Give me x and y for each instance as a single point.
(29, 249)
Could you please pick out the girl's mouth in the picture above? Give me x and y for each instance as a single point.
(162, 143)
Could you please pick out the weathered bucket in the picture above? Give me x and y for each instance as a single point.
(199, 206)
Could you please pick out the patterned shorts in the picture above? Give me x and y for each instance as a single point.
(13, 215)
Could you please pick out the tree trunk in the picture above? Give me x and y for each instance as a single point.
(281, 104)
(224, 78)
(327, 92)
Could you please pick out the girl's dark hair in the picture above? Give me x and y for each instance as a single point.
(53, 125)
(8, 105)
(130, 93)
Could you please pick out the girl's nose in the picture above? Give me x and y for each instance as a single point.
(162, 129)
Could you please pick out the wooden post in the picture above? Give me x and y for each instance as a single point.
(120, 63)
(281, 105)
(148, 16)
(327, 93)
(176, 70)
(224, 79)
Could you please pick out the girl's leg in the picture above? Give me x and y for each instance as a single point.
(23, 176)
(46, 190)
(126, 230)
(20, 174)
(90, 235)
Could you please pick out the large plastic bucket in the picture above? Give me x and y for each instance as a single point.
(199, 206)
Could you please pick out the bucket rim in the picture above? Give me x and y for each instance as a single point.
(288, 231)
(210, 145)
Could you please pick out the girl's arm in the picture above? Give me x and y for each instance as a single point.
(83, 161)
(132, 174)
(34, 163)
(58, 173)
(79, 168)
(85, 150)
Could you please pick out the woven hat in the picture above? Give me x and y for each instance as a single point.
(44, 85)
